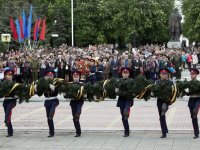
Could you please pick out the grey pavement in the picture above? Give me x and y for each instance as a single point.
(101, 125)
(142, 140)
(102, 128)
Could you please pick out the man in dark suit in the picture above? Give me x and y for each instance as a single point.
(93, 70)
(124, 103)
(136, 65)
(114, 66)
(60, 65)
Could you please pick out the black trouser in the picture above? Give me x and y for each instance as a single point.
(162, 110)
(50, 111)
(136, 72)
(76, 111)
(194, 65)
(125, 119)
(8, 106)
(194, 112)
(189, 65)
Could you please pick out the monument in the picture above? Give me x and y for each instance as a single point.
(175, 29)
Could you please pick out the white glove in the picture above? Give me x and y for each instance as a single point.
(66, 67)
(186, 90)
(52, 87)
(85, 96)
(116, 90)
(152, 94)
(35, 87)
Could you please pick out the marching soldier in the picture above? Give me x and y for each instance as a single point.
(76, 105)
(125, 104)
(51, 102)
(9, 102)
(194, 104)
(161, 105)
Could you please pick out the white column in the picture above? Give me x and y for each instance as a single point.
(72, 15)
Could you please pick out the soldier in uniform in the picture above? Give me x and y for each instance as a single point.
(34, 66)
(51, 102)
(125, 104)
(194, 104)
(9, 102)
(76, 105)
(161, 105)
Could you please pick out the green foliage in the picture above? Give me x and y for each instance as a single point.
(21, 91)
(192, 19)
(126, 88)
(3, 47)
(61, 87)
(90, 90)
(43, 86)
(93, 90)
(98, 89)
(181, 85)
(5, 87)
(140, 83)
(110, 88)
(163, 90)
(97, 21)
(72, 91)
(194, 87)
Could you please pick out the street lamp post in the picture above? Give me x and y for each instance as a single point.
(54, 34)
(72, 15)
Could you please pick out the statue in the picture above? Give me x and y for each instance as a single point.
(175, 26)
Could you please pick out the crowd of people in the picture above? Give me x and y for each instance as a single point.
(96, 62)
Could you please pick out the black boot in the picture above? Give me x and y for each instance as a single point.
(163, 136)
(50, 135)
(77, 135)
(9, 135)
(196, 137)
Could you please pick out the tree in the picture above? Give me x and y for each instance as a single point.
(97, 21)
(192, 19)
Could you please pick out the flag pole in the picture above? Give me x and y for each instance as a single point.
(72, 19)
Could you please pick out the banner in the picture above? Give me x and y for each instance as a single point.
(13, 28)
(43, 31)
(30, 22)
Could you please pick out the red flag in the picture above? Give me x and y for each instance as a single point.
(38, 28)
(39, 22)
(21, 27)
(13, 28)
(35, 30)
(43, 32)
